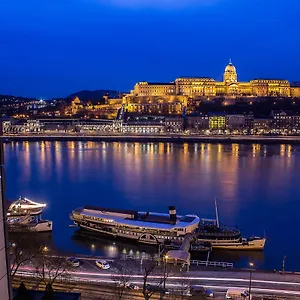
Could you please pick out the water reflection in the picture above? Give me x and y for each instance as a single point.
(256, 185)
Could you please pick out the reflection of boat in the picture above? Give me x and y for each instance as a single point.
(224, 238)
(100, 245)
(24, 215)
(143, 227)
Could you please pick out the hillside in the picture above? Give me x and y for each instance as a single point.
(96, 95)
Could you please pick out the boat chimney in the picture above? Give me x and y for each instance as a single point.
(172, 212)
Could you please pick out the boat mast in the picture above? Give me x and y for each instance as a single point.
(217, 214)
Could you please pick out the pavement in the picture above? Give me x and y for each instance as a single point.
(218, 280)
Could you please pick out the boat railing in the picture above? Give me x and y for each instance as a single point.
(139, 257)
(212, 263)
(230, 234)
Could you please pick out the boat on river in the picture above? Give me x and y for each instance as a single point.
(24, 215)
(143, 227)
(158, 228)
(222, 237)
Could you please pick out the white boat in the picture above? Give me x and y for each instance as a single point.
(24, 215)
(143, 227)
(24, 206)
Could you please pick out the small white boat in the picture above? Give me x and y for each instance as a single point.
(24, 206)
(24, 215)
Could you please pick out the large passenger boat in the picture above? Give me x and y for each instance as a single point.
(24, 215)
(221, 237)
(143, 227)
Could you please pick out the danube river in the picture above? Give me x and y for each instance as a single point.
(257, 187)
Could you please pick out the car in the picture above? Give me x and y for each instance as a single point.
(132, 286)
(156, 289)
(73, 261)
(102, 264)
(200, 290)
(240, 293)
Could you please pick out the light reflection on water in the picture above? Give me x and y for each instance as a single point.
(256, 186)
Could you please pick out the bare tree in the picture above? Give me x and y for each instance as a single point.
(50, 267)
(148, 270)
(21, 251)
(121, 279)
(183, 289)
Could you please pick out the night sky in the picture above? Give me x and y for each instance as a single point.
(51, 48)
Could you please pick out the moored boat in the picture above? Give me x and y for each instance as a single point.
(24, 215)
(142, 227)
(221, 237)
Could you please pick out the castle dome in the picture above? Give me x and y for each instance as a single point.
(230, 68)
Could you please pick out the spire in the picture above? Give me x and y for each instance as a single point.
(230, 62)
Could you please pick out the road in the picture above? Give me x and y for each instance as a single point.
(218, 280)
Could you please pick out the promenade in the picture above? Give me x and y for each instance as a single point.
(219, 280)
(170, 138)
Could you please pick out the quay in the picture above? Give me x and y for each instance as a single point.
(167, 138)
(219, 280)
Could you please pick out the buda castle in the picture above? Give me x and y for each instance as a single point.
(208, 87)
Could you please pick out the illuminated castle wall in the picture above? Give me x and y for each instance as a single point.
(208, 87)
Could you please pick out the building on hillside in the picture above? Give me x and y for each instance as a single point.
(295, 89)
(97, 109)
(164, 104)
(207, 87)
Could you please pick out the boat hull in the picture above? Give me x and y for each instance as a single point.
(43, 226)
(255, 245)
(147, 239)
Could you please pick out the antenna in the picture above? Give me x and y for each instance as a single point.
(217, 215)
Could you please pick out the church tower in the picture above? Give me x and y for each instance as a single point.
(230, 75)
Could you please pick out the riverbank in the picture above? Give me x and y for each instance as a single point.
(250, 139)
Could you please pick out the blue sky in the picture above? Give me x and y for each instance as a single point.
(52, 48)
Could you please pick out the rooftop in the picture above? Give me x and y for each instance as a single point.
(113, 210)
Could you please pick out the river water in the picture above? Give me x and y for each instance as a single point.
(257, 187)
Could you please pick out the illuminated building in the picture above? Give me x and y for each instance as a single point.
(207, 87)
(286, 120)
(239, 121)
(295, 89)
(197, 122)
(154, 89)
(217, 121)
(166, 104)
(96, 109)
(174, 124)
(262, 125)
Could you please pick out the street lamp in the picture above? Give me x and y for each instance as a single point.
(165, 275)
(251, 264)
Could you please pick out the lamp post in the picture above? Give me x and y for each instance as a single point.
(251, 264)
(165, 277)
(165, 270)
(283, 264)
